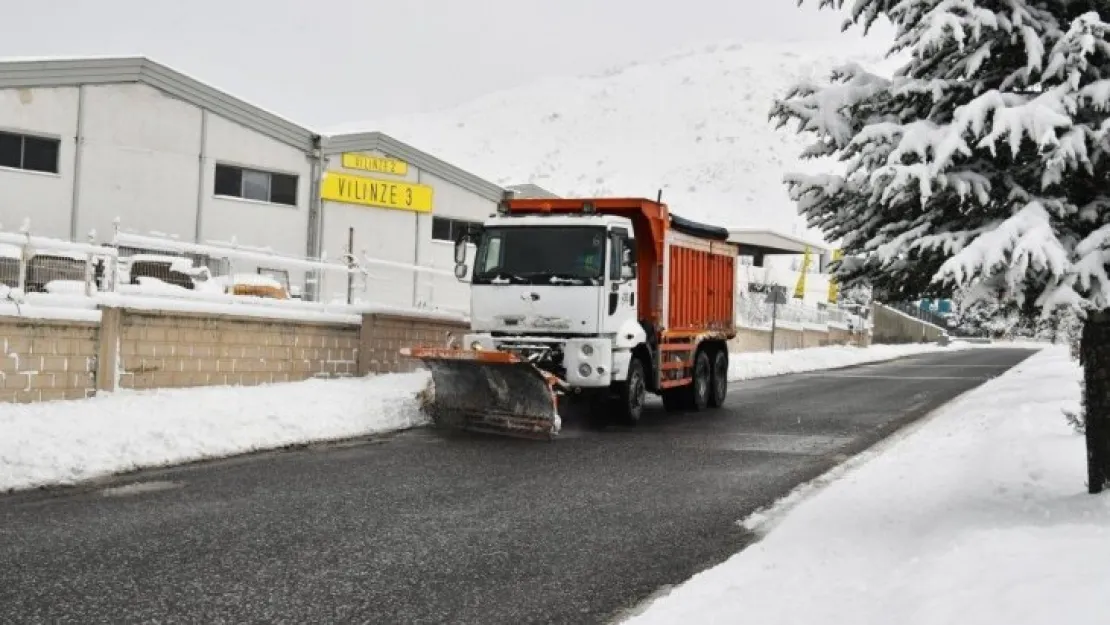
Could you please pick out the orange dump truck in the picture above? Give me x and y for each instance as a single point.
(608, 298)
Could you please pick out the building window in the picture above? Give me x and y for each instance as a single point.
(448, 229)
(254, 184)
(30, 153)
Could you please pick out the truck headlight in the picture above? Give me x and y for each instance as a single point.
(476, 346)
(587, 350)
(585, 370)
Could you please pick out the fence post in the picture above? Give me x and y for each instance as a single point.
(107, 349)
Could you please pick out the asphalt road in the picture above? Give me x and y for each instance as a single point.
(425, 527)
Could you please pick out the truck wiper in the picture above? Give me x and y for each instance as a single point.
(569, 278)
(502, 277)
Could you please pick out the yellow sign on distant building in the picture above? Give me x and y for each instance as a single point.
(376, 164)
(371, 192)
(800, 286)
(834, 287)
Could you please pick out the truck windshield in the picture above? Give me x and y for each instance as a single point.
(558, 255)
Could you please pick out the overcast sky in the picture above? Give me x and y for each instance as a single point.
(325, 62)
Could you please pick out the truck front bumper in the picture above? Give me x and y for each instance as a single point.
(582, 362)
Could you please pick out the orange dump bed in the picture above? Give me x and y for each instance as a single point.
(701, 279)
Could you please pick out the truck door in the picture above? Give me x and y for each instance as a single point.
(619, 304)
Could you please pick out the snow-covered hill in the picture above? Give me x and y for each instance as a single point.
(694, 124)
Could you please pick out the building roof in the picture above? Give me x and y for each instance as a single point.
(380, 142)
(530, 191)
(762, 241)
(63, 72)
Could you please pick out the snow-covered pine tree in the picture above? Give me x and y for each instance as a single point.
(980, 165)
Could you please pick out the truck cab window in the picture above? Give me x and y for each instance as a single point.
(558, 255)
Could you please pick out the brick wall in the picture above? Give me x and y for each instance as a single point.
(42, 360)
(164, 350)
(142, 349)
(383, 336)
(45, 360)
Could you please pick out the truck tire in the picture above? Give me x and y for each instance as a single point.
(719, 380)
(695, 395)
(703, 380)
(631, 393)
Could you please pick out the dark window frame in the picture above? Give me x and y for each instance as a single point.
(49, 148)
(455, 226)
(285, 196)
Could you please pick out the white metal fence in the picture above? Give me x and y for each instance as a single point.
(160, 266)
(753, 309)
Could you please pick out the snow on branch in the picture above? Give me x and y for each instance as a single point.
(1023, 242)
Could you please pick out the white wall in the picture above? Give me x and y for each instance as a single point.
(404, 236)
(42, 197)
(257, 224)
(139, 162)
(456, 202)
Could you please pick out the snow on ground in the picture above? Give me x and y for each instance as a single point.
(63, 442)
(978, 515)
(746, 365)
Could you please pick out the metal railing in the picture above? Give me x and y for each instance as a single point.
(753, 309)
(160, 266)
(33, 264)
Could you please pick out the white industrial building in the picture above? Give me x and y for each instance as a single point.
(89, 143)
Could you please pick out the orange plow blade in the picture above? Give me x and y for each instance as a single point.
(490, 391)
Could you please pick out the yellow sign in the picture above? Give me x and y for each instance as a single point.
(377, 164)
(834, 288)
(370, 192)
(800, 286)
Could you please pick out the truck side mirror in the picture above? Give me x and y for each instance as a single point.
(460, 251)
(628, 266)
(460, 270)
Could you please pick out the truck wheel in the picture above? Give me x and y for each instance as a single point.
(703, 378)
(631, 393)
(719, 379)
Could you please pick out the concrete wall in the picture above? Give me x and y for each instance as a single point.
(759, 340)
(141, 349)
(162, 350)
(141, 160)
(42, 360)
(894, 326)
(383, 336)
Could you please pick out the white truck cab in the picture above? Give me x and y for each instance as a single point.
(559, 291)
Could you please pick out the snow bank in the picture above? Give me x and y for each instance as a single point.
(64, 442)
(980, 515)
(746, 365)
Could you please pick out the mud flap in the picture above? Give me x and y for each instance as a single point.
(492, 392)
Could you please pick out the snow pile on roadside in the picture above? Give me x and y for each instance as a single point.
(747, 365)
(980, 515)
(64, 442)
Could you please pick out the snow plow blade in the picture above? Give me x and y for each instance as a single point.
(491, 392)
